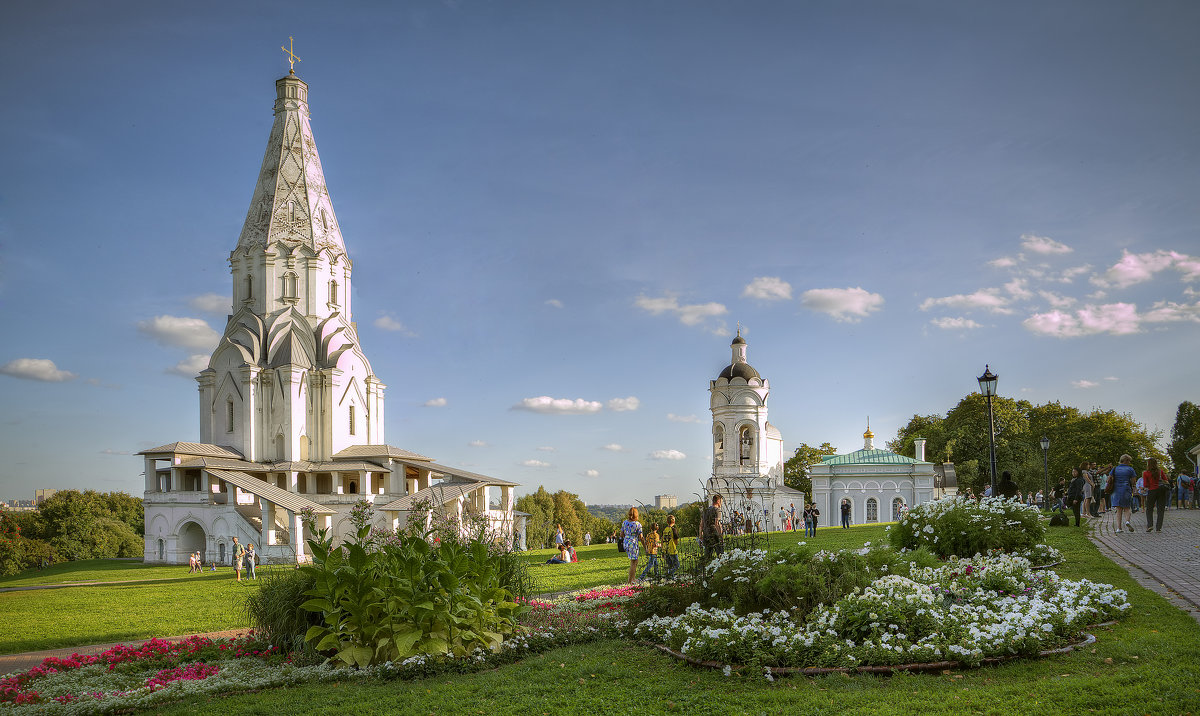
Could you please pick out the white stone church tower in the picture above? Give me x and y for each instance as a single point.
(747, 449)
(291, 413)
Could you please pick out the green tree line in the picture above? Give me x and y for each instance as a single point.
(961, 436)
(547, 509)
(72, 525)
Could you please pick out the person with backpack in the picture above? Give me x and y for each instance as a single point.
(652, 542)
(1075, 493)
(1156, 484)
(712, 536)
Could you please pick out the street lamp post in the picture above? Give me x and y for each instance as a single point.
(1046, 470)
(987, 386)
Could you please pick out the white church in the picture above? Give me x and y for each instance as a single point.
(747, 449)
(291, 413)
(748, 457)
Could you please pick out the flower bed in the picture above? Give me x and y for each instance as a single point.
(958, 525)
(964, 611)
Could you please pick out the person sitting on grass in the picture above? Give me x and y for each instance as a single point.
(563, 556)
(652, 542)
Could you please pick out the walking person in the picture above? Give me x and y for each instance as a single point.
(1156, 484)
(845, 513)
(191, 562)
(652, 541)
(239, 555)
(1122, 478)
(558, 536)
(792, 512)
(1088, 488)
(712, 536)
(252, 556)
(631, 534)
(671, 538)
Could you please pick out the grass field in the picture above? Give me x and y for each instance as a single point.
(1148, 663)
(97, 570)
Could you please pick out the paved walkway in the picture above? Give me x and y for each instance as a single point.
(1166, 562)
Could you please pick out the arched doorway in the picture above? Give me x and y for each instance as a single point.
(192, 539)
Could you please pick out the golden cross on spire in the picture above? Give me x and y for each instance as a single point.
(292, 58)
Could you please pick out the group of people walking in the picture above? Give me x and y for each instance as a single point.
(633, 538)
(1094, 491)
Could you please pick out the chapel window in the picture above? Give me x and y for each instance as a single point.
(249, 288)
(747, 445)
(229, 416)
(719, 445)
(289, 285)
(333, 292)
(872, 510)
(351, 419)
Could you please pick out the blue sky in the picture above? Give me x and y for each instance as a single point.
(559, 212)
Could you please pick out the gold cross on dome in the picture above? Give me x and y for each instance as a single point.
(292, 58)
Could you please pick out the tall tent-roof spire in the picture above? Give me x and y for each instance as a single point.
(291, 202)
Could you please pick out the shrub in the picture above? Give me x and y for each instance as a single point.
(959, 526)
(275, 608)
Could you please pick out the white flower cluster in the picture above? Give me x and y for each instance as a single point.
(949, 612)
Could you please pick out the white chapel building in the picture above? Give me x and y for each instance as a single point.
(876, 484)
(291, 413)
(747, 449)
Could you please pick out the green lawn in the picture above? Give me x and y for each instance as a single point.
(96, 570)
(602, 564)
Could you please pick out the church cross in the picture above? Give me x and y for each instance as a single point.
(292, 58)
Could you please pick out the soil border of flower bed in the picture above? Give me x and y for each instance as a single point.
(885, 670)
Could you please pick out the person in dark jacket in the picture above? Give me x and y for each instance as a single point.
(1075, 493)
(1007, 488)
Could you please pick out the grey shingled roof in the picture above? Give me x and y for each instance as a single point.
(222, 463)
(438, 494)
(360, 451)
(306, 466)
(267, 491)
(198, 449)
(455, 472)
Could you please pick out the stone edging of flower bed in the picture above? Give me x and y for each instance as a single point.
(819, 670)
(1046, 566)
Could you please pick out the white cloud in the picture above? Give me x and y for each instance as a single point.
(955, 324)
(1114, 318)
(558, 406)
(1043, 245)
(42, 369)
(435, 403)
(534, 463)
(689, 315)
(548, 448)
(682, 418)
(667, 455)
(1170, 312)
(180, 331)
(191, 366)
(477, 443)
(1055, 300)
(215, 303)
(842, 304)
(768, 288)
(387, 323)
(1084, 383)
(110, 451)
(1097, 295)
(554, 303)
(590, 473)
(988, 299)
(1016, 289)
(621, 405)
(1069, 275)
(1003, 262)
(1112, 378)
(1138, 268)
(613, 447)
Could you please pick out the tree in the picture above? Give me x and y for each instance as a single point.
(539, 526)
(565, 515)
(1185, 433)
(687, 518)
(795, 470)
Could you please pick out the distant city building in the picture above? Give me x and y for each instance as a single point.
(291, 413)
(40, 496)
(666, 502)
(747, 449)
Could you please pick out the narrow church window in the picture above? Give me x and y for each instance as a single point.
(333, 293)
(249, 288)
(872, 510)
(351, 419)
(229, 416)
(719, 445)
(289, 285)
(747, 445)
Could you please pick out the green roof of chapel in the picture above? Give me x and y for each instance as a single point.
(869, 457)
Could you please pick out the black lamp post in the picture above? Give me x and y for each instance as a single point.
(1046, 468)
(987, 386)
